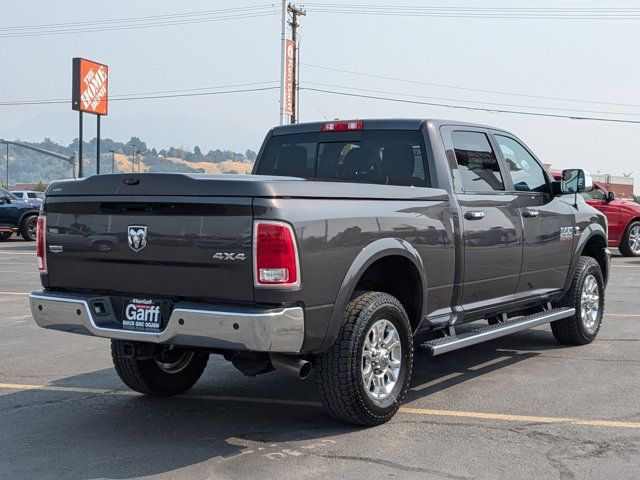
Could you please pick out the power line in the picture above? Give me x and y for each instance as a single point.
(473, 101)
(472, 8)
(471, 12)
(457, 87)
(122, 95)
(484, 109)
(135, 19)
(152, 24)
(144, 96)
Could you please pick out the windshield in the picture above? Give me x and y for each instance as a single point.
(386, 157)
(7, 193)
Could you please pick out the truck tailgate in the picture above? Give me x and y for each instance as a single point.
(99, 241)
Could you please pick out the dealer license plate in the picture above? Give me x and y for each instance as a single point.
(142, 314)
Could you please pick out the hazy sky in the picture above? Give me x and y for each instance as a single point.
(595, 60)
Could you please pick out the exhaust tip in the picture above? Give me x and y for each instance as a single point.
(305, 370)
(292, 365)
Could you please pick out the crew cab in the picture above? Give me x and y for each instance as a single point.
(352, 245)
(16, 216)
(623, 217)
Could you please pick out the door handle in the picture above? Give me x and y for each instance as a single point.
(529, 213)
(474, 215)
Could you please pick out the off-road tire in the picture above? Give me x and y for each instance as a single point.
(625, 247)
(571, 330)
(338, 371)
(145, 376)
(28, 227)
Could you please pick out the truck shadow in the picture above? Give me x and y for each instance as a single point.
(73, 430)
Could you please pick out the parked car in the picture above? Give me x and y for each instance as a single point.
(353, 245)
(18, 216)
(29, 196)
(622, 215)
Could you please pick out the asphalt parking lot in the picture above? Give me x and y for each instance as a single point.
(518, 407)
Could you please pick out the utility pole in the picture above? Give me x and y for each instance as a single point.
(295, 11)
(113, 161)
(283, 36)
(7, 145)
(133, 158)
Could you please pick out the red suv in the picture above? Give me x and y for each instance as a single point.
(623, 217)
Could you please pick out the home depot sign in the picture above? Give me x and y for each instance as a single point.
(90, 86)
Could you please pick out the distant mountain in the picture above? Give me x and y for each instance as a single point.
(159, 130)
(27, 166)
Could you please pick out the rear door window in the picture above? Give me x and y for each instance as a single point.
(477, 162)
(391, 157)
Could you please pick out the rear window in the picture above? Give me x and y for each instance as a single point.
(477, 162)
(386, 157)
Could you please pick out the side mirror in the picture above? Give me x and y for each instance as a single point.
(610, 197)
(576, 180)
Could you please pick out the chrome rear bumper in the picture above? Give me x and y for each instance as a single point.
(190, 324)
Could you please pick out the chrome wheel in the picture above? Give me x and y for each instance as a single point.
(174, 360)
(381, 360)
(634, 239)
(590, 304)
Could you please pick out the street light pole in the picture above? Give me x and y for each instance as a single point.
(133, 159)
(70, 159)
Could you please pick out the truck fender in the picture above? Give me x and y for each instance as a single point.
(376, 250)
(592, 230)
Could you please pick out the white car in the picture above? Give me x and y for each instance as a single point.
(29, 196)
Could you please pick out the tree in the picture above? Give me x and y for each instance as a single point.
(250, 155)
(196, 151)
(140, 145)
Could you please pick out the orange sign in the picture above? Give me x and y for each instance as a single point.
(287, 101)
(90, 86)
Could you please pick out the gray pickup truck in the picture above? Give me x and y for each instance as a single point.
(352, 246)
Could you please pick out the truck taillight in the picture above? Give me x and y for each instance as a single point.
(342, 126)
(275, 254)
(41, 240)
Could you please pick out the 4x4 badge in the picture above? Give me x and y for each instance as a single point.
(137, 237)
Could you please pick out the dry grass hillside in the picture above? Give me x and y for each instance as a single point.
(123, 164)
(228, 166)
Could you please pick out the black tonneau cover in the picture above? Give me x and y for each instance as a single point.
(206, 185)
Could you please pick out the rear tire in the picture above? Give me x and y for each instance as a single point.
(28, 228)
(586, 295)
(630, 244)
(171, 376)
(364, 376)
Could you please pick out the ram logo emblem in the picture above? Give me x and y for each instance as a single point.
(137, 237)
